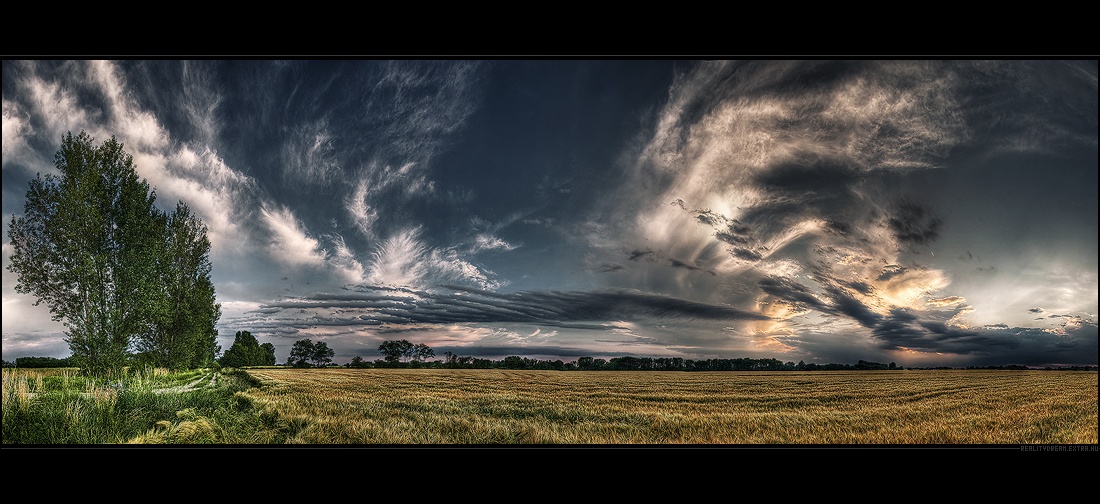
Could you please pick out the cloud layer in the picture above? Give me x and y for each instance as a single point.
(909, 211)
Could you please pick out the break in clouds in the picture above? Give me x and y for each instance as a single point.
(918, 212)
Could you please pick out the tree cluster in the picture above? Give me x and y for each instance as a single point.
(125, 278)
(247, 351)
(306, 353)
(404, 351)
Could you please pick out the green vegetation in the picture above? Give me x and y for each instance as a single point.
(119, 273)
(247, 351)
(396, 352)
(306, 353)
(62, 406)
(41, 362)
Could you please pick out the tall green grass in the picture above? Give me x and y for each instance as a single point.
(43, 407)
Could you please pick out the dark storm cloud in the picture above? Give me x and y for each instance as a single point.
(847, 305)
(638, 254)
(791, 291)
(827, 177)
(577, 310)
(496, 352)
(676, 263)
(897, 330)
(837, 301)
(890, 271)
(1036, 310)
(861, 287)
(913, 223)
(731, 239)
(745, 254)
(904, 329)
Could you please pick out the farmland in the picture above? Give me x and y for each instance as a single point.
(340, 406)
(418, 406)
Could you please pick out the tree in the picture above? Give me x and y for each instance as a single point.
(94, 247)
(300, 353)
(185, 334)
(268, 354)
(394, 351)
(247, 351)
(86, 246)
(306, 353)
(421, 352)
(401, 350)
(322, 354)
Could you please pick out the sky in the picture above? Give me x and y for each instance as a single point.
(922, 212)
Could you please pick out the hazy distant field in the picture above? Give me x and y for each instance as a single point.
(433, 406)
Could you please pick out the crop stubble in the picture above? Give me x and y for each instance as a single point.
(454, 406)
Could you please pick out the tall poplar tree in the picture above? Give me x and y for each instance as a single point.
(118, 272)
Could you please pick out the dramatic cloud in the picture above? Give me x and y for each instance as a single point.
(921, 212)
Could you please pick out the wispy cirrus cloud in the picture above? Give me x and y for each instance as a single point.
(883, 210)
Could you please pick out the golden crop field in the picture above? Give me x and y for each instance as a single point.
(457, 406)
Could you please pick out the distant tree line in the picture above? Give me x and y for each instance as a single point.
(40, 362)
(394, 356)
(403, 353)
(247, 351)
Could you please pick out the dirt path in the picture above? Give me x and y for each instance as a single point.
(211, 379)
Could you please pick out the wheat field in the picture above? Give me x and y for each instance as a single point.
(493, 407)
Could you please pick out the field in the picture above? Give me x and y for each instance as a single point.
(60, 406)
(338, 406)
(420, 406)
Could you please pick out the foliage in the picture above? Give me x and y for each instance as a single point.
(395, 351)
(42, 362)
(110, 265)
(306, 353)
(247, 351)
(403, 350)
(193, 407)
(185, 335)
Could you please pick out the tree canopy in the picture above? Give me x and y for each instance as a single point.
(119, 273)
(398, 351)
(247, 351)
(306, 353)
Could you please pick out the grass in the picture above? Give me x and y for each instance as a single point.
(514, 407)
(58, 406)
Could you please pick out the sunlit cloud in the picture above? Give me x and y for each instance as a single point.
(398, 261)
(289, 243)
(812, 210)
